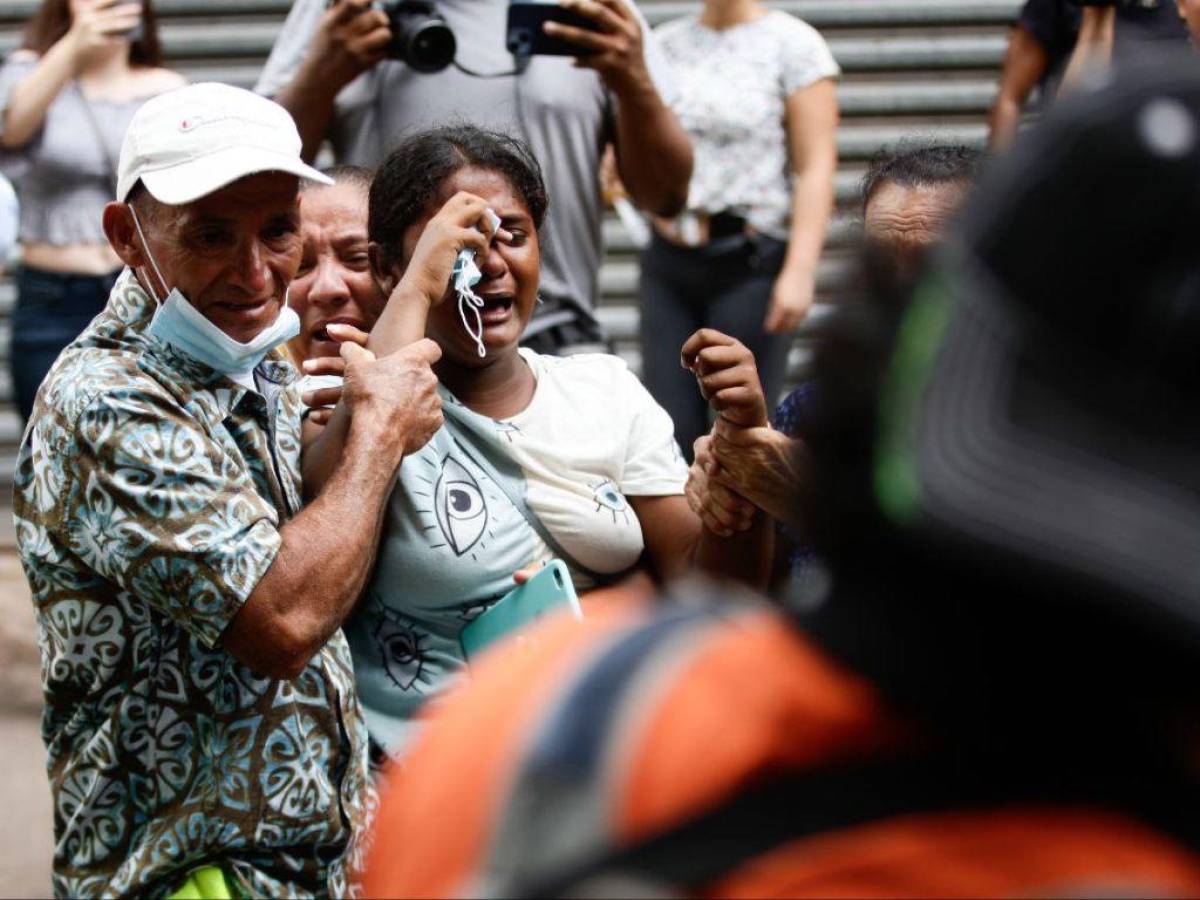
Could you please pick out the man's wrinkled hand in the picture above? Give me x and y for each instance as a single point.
(394, 398)
(766, 467)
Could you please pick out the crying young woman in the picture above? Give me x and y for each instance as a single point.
(538, 457)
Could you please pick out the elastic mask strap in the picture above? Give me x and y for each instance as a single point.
(467, 300)
(150, 256)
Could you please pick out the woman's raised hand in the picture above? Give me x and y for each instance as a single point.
(727, 375)
(322, 400)
(462, 223)
(98, 24)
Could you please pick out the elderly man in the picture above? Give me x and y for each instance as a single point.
(200, 703)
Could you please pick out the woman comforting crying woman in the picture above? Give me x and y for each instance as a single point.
(537, 457)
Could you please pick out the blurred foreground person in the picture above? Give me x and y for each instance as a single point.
(999, 696)
(1189, 12)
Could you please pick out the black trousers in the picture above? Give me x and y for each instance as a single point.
(725, 284)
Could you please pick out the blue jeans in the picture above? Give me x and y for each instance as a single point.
(52, 309)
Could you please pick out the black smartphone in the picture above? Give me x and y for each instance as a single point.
(526, 38)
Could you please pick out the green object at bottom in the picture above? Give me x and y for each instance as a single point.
(208, 883)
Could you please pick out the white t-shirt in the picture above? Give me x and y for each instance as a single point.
(590, 438)
(733, 87)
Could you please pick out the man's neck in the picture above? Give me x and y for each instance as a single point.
(498, 390)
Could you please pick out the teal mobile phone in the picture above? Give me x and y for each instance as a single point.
(547, 591)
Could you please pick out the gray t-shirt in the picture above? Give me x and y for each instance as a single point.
(564, 112)
(66, 172)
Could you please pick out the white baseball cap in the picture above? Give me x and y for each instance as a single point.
(189, 142)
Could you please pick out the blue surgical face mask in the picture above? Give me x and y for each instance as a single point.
(464, 277)
(178, 323)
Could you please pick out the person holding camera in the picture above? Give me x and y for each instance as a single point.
(365, 76)
(66, 98)
(1052, 41)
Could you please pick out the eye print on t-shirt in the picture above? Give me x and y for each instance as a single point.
(459, 508)
(609, 499)
(402, 651)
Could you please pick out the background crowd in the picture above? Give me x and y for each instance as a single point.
(198, 523)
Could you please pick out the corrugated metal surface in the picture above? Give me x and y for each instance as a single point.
(912, 67)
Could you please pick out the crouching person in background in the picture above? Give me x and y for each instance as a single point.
(200, 708)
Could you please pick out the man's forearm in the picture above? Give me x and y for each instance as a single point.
(654, 155)
(309, 97)
(321, 568)
(402, 323)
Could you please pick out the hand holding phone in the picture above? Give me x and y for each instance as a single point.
(97, 24)
(527, 35)
(604, 35)
(548, 591)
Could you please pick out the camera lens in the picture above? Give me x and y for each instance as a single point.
(431, 47)
(420, 36)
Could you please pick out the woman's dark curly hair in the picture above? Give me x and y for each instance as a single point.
(411, 178)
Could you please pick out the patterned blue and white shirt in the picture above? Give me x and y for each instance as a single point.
(150, 492)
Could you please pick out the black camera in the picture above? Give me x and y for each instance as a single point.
(420, 36)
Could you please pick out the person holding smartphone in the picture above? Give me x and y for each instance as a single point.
(330, 68)
(66, 98)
